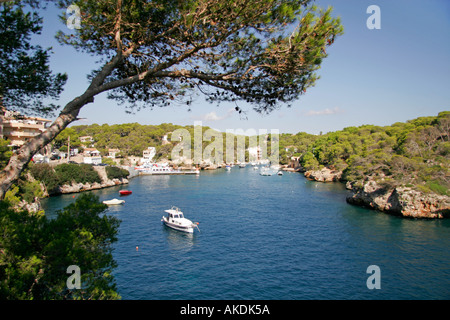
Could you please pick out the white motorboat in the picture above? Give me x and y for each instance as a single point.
(114, 202)
(176, 220)
(280, 173)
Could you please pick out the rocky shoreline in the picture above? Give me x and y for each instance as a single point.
(399, 201)
(35, 206)
(80, 187)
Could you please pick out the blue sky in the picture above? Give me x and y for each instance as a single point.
(397, 73)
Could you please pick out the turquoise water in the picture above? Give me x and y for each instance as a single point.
(268, 237)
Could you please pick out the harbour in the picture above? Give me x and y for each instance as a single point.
(268, 237)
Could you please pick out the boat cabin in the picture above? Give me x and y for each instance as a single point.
(176, 215)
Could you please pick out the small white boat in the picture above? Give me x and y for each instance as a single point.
(228, 168)
(280, 173)
(114, 202)
(176, 220)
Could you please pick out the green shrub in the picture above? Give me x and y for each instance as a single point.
(65, 173)
(309, 161)
(116, 172)
(79, 173)
(46, 174)
(5, 153)
(436, 187)
(36, 251)
(30, 190)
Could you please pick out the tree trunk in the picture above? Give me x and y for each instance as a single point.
(23, 156)
(20, 159)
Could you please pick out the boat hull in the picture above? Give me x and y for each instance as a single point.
(188, 229)
(113, 202)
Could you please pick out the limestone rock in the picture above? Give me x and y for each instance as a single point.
(324, 175)
(400, 201)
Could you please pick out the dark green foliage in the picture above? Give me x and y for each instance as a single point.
(415, 153)
(116, 172)
(66, 173)
(46, 174)
(130, 138)
(5, 153)
(35, 252)
(25, 76)
(79, 173)
(30, 190)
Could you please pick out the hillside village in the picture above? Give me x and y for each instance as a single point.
(126, 144)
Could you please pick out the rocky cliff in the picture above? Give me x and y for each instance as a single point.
(324, 175)
(401, 201)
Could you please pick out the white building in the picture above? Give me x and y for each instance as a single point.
(92, 160)
(254, 153)
(18, 128)
(92, 156)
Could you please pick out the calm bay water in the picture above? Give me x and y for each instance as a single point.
(268, 237)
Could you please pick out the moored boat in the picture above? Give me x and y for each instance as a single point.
(114, 202)
(125, 192)
(175, 219)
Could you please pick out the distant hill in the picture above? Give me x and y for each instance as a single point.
(414, 153)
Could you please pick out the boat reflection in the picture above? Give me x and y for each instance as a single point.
(179, 241)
